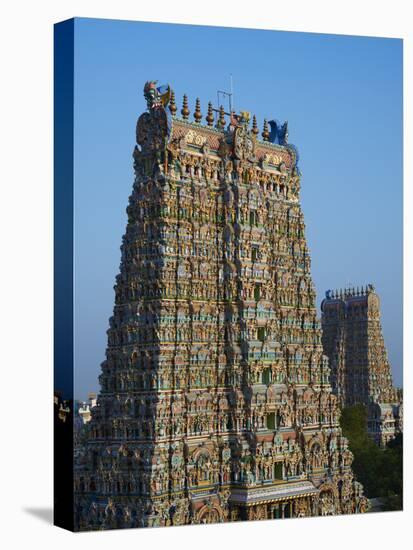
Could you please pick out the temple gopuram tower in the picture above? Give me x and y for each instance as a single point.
(360, 370)
(215, 401)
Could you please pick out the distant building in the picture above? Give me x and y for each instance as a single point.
(84, 410)
(61, 408)
(360, 370)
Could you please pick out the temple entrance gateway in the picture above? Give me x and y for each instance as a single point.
(213, 407)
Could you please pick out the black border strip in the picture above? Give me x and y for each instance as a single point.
(63, 272)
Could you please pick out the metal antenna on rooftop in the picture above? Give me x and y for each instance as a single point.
(223, 95)
(231, 98)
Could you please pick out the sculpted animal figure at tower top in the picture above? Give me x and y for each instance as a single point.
(279, 132)
(156, 96)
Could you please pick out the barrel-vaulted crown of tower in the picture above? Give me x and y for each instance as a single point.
(348, 294)
(224, 135)
(351, 302)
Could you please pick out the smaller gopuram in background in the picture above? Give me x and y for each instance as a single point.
(360, 371)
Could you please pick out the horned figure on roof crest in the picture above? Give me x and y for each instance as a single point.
(156, 96)
(279, 132)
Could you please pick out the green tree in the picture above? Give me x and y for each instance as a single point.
(379, 470)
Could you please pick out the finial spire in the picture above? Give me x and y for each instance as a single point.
(255, 130)
(221, 119)
(210, 116)
(265, 133)
(185, 111)
(172, 104)
(197, 113)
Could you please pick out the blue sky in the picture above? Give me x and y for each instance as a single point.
(342, 97)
